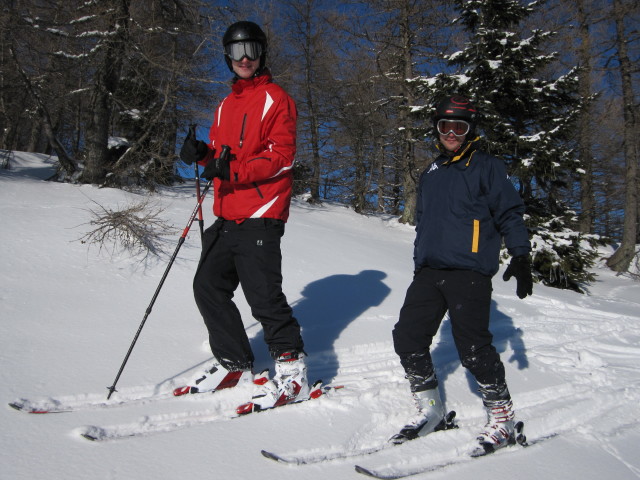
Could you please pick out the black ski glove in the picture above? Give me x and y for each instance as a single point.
(218, 167)
(192, 150)
(520, 267)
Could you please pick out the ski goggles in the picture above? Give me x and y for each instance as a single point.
(458, 127)
(238, 50)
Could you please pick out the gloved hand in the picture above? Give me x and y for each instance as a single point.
(192, 150)
(218, 167)
(520, 267)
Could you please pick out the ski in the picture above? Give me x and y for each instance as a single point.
(402, 471)
(324, 456)
(165, 423)
(126, 397)
(150, 425)
(339, 454)
(72, 403)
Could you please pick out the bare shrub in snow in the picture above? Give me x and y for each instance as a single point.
(138, 228)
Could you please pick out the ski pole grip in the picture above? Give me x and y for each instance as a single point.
(224, 154)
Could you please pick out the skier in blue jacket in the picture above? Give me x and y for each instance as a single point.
(466, 207)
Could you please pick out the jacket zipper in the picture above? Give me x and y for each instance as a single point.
(244, 121)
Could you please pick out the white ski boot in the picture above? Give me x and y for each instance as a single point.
(215, 378)
(289, 385)
(500, 430)
(430, 417)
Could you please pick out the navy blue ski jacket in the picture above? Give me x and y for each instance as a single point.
(466, 205)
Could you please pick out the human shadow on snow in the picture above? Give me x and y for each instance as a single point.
(326, 307)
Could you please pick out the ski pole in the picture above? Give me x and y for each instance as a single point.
(200, 219)
(223, 154)
(192, 133)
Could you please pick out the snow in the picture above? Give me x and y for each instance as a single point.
(70, 311)
(115, 142)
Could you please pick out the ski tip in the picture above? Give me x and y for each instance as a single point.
(92, 433)
(17, 406)
(21, 407)
(366, 472)
(277, 458)
(362, 470)
(271, 456)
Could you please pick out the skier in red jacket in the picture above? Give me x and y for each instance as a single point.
(252, 194)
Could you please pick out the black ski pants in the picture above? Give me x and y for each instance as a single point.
(467, 297)
(246, 254)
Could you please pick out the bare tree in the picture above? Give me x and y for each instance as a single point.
(69, 165)
(106, 69)
(310, 41)
(404, 38)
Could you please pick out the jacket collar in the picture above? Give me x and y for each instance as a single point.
(466, 150)
(242, 84)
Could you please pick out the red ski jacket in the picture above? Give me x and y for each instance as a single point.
(258, 121)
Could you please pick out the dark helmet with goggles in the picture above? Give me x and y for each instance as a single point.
(244, 39)
(457, 115)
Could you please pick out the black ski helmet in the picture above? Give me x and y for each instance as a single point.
(245, 31)
(456, 107)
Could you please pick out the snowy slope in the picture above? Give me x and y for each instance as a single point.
(69, 312)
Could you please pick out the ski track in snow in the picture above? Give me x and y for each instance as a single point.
(588, 348)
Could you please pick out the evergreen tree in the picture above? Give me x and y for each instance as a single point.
(528, 120)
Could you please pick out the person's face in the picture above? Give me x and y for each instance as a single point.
(245, 68)
(452, 133)
(451, 142)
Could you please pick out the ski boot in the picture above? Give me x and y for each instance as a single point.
(431, 417)
(215, 378)
(500, 429)
(289, 385)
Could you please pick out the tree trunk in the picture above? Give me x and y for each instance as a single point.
(409, 180)
(313, 120)
(622, 257)
(587, 197)
(106, 82)
(67, 164)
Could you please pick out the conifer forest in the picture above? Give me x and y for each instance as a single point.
(111, 87)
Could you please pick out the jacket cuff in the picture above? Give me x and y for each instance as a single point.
(519, 251)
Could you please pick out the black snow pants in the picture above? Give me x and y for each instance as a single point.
(467, 297)
(246, 254)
